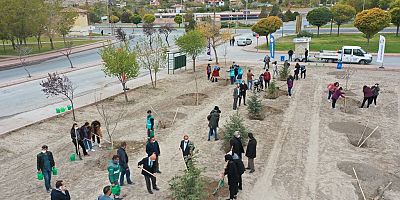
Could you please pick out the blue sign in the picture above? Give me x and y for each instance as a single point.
(272, 46)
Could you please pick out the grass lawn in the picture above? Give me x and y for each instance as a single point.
(350, 25)
(327, 42)
(31, 42)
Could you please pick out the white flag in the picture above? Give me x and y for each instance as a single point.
(381, 51)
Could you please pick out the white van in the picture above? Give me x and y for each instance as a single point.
(242, 41)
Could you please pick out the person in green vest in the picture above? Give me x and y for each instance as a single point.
(150, 124)
(114, 173)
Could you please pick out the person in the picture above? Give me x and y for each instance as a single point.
(306, 55)
(275, 69)
(232, 172)
(233, 41)
(240, 74)
(267, 78)
(232, 74)
(267, 59)
(332, 87)
(250, 80)
(336, 95)
(77, 139)
(153, 147)
(208, 70)
(45, 163)
(290, 53)
(213, 120)
(102, 32)
(149, 123)
(368, 96)
(296, 71)
(251, 152)
(236, 145)
(114, 171)
(187, 147)
(303, 71)
(96, 128)
(289, 82)
(236, 70)
(215, 74)
(236, 93)
(106, 194)
(148, 171)
(87, 136)
(243, 88)
(123, 163)
(261, 81)
(375, 91)
(241, 170)
(60, 192)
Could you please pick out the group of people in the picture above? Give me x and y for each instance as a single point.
(370, 94)
(85, 137)
(213, 73)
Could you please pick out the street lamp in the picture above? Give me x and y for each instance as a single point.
(246, 12)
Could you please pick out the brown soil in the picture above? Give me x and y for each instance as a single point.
(349, 93)
(337, 74)
(352, 105)
(223, 82)
(272, 111)
(277, 95)
(190, 99)
(354, 131)
(222, 192)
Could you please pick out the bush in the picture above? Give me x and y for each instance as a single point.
(255, 108)
(235, 123)
(273, 90)
(284, 72)
(305, 34)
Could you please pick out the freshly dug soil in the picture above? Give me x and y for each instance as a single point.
(190, 99)
(353, 131)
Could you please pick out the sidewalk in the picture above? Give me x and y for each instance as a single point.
(9, 63)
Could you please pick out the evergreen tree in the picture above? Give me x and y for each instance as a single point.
(235, 123)
(275, 10)
(273, 90)
(255, 108)
(284, 72)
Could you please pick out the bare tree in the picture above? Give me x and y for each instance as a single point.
(23, 51)
(121, 35)
(55, 85)
(149, 31)
(111, 115)
(67, 51)
(166, 30)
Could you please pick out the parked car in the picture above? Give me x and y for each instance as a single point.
(348, 54)
(242, 41)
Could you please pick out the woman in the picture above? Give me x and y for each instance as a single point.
(232, 75)
(338, 93)
(375, 91)
(233, 176)
(251, 152)
(215, 74)
(332, 87)
(96, 128)
(368, 95)
(77, 140)
(275, 69)
(208, 71)
(289, 82)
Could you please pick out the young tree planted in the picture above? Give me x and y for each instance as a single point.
(214, 34)
(192, 43)
(319, 17)
(266, 26)
(178, 19)
(342, 13)
(370, 22)
(24, 51)
(67, 51)
(166, 29)
(136, 19)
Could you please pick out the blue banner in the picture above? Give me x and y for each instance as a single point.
(272, 46)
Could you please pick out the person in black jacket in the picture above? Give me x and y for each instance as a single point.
(251, 152)
(77, 138)
(45, 163)
(232, 172)
(236, 145)
(149, 164)
(153, 147)
(187, 148)
(123, 163)
(61, 192)
(243, 88)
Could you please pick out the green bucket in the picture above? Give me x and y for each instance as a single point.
(58, 110)
(69, 107)
(62, 109)
(55, 171)
(116, 189)
(72, 157)
(40, 176)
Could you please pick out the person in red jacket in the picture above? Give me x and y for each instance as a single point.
(368, 96)
(267, 78)
(336, 95)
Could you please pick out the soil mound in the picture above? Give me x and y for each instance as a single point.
(337, 74)
(190, 99)
(352, 106)
(354, 131)
(277, 94)
(272, 111)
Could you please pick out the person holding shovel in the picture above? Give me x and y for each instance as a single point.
(45, 163)
(77, 139)
(114, 171)
(152, 147)
(149, 123)
(232, 172)
(148, 166)
(338, 93)
(96, 130)
(368, 96)
(187, 147)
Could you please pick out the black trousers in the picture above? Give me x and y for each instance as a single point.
(153, 181)
(303, 73)
(80, 143)
(296, 76)
(333, 102)
(240, 182)
(266, 84)
(244, 98)
(374, 98)
(94, 137)
(233, 190)
(368, 100)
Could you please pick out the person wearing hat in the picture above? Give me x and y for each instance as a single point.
(149, 123)
(187, 147)
(45, 163)
(232, 172)
(213, 120)
(148, 171)
(153, 147)
(375, 91)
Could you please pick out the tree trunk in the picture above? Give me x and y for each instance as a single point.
(318, 32)
(166, 39)
(124, 88)
(70, 62)
(194, 63)
(338, 28)
(197, 90)
(155, 79)
(367, 41)
(4, 47)
(25, 41)
(13, 43)
(331, 27)
(179, 25)
(215, 53)
(397, 31)
(65, 43)
(38, 42)
(51, 43)
(267, 41)
(151, 78)
(73, 109)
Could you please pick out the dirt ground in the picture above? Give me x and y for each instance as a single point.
(305, 149)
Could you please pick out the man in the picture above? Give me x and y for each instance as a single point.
(243, 88)
(87, 136)
(114, 171)
(187, 147)
(290, 53)
(153, 147)
(148, 171)
(267, 78)
(250, 79)
(306, 55)
(77, 139)
(236, 145)
(267, 59)
(123, 163)
(61, 192)
(236, 93)
(213, 119)
(251, 152)
(106, 194)
(45, 163)
(232, 172)
(149, 123)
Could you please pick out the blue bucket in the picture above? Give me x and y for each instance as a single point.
(282, 58)
(339, 65)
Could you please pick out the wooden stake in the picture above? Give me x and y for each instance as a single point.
(155, 111)
(359, 185)
(380, 195)
(175, 116)
(365, 128)
(368, 136)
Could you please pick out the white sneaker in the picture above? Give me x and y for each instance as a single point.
(329, 101)
(99, 145)
(289, 97)
(92, 150)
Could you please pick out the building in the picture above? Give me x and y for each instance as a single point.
(179, 8)
(154, 2)
(81, 25)
(235, 3)
(217, 3)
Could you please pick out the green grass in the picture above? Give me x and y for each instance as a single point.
(327, 42)
(31, 42)
(351, 25)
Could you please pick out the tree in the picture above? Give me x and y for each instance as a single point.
(395, 14)
(275, 10)
(53, 8)
(152, 59)
(191, 23)
(121, 35)
(149, 18)
(126, 17)
(114, 19)
(178, 19)
(23, 51)
(235, 123)
(395, 4)
(263, 13)
(121, 63)
(55, 85)
(289, 16)
(66, 22)
(266, 26)
(273, 90)
(370, 22)
(166, 29)
(319, 17)
(255, 108)
(136, 19)
(214, 34)
(149, 31)
(68, 51)
(192, 43)
(342, 13)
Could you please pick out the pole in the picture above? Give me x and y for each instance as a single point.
(246, 12)
(257, 45)
(364, 5)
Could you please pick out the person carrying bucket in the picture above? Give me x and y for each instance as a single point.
(45, 164)
(114, 171)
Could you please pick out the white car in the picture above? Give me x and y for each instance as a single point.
(243, 41)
